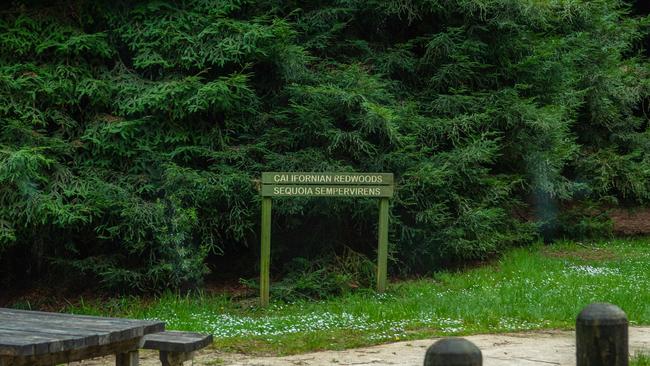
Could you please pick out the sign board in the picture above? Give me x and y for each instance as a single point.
(283, 184)
(327, 178)
(276, 190)
(314, 184)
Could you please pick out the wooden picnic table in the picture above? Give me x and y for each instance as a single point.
(39, 338)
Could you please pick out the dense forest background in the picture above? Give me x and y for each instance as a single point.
(132, 132)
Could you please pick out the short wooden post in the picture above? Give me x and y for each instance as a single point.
(602, 336)
(265, 253)
(175, 358)
(382, 251)
(453, 352)
(127, 359)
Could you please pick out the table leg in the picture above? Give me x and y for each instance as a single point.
(175, 358)
(127, 359)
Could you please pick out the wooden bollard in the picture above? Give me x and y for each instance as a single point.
(453, 352)
(602, 336)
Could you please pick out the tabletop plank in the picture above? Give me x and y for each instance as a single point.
(27, 343)
(108, 332)
(91, 337)
(31, 333)
(80, 319)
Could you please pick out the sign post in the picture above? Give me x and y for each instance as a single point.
(382, 245)
(294, 184)
(265, 262)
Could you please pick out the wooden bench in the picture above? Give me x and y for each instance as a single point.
(176, 347)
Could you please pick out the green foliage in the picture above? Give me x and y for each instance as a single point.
(306, 280)
(585, 220)
(322, 278)
(131, 132)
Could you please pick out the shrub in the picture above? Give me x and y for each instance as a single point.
(131, 131)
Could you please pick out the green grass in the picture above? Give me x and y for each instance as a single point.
(532, 288)
(642, 359)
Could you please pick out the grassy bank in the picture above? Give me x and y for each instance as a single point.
(532, 288)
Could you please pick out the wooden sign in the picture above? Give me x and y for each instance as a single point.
(287, 184)
(327, 178)
(296, 184)
(275, 190)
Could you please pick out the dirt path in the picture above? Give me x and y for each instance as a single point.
(521, 349)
